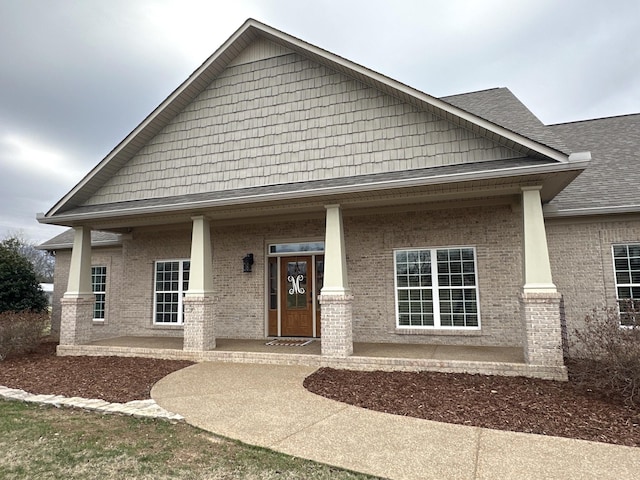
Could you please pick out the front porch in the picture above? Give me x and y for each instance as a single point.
(366, 356)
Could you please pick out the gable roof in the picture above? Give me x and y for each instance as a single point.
(611, 184)
(229, 51)
(500, 106)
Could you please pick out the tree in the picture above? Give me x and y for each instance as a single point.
(19, 286)
(43, 262)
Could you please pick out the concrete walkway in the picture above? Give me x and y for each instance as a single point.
(266, 405)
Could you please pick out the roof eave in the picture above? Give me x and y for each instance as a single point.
(551, 212)
(553, 168)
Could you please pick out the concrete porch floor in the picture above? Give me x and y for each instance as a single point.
(366, 356)
(384, 350)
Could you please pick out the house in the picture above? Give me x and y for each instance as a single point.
(284, 191)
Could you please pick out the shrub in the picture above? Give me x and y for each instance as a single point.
(21, 332)
(610, 352)
(19, 288)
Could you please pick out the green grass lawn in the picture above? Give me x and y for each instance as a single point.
(49, 443)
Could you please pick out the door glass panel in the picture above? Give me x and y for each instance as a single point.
(297, 285)
(319, 274)
(273, 283)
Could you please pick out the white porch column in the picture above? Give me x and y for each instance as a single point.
(198, 302)
(335, 297)
(201, 272)
(537, 268)
(539, 301)
(78, 301)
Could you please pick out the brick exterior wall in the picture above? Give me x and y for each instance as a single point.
(580, 252)
(582, 262)
(75, 324)
(541, 328)
(337, 333)
(240, 301)
(494, 231)
(60, 281)
(199, 328)
(110, 257)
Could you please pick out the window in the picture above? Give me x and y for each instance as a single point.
(626, 263)
(99, 289)
(296, 247)
(436, 288)
(171, 283)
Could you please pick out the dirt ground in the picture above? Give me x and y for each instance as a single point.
(505, 403)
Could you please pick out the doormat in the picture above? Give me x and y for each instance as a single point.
(284, 342)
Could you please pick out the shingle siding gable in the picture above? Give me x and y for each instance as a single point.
(286, 119)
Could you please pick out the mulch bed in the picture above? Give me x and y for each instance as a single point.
(504, 403)
(113, 379)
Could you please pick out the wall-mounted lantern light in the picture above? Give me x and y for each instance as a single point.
(247, 261)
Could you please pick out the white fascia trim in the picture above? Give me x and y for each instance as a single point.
(67, 246)
(296, 194)
(576, 212)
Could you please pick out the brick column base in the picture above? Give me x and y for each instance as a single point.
(542, 328)
(76, 319)
(199, 322)
(337, 331)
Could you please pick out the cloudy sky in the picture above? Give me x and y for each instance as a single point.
(76, 76)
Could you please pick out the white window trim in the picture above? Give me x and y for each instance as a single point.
(99, 320)
(615, 279)
(181, 293)
(435, 288)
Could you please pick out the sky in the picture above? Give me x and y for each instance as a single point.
(77, 76)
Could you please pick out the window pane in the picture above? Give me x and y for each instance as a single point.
(623, 277)
(99, 287)
(627, 274)
(624, 292)
(172, 281)
(621, 264)
(297, 247)
(454, 278)
(446, 320)
(469, 280)
(458, 305)
(620, 251)
(634, 250)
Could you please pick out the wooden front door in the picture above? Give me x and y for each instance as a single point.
(297, 296)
